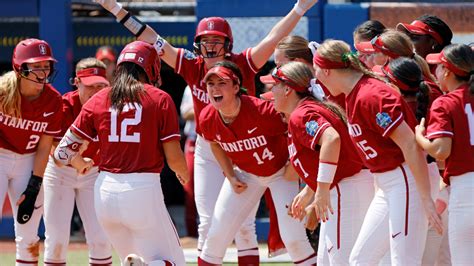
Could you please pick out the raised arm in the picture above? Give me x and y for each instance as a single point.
(167, 52)
(262, 52)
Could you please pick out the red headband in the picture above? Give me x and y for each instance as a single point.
(379, 46)
(87, 72)
(328, 64)
(278, 75)
(402, 86)
(421, 28)
(223, 73)
(441, 59)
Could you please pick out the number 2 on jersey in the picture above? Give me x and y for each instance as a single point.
(124, 137)
(267, 154)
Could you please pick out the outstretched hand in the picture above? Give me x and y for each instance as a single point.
(107, 4)
(305, 5)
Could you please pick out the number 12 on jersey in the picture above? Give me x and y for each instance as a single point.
(126, 122)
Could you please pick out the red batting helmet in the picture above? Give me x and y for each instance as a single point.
(215, 26)
(144, 55)
(31, 51)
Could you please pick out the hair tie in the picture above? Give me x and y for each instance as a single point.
(346, 57)
(316, 90)
(413, 56)
(313, 46)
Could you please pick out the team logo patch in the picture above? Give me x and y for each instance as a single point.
(311, 127)
(210, 25)
(383, 120)
(42, 49)
(189, 55)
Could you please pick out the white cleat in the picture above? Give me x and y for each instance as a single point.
(134, 260)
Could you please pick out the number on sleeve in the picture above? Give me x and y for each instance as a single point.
(124, 137)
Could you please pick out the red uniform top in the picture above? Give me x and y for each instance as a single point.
(452, 116)
(305, 127)
(339, 99)
(71, 108)
(193, 70)
(130, 142)
(38, 117)
(374, 111)
(254, 141)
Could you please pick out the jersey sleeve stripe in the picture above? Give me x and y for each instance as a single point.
(250, 61)
(395, 123)
(437, 134)
(180, 60)
(48, 132)
(317, 135)
(80, 132)
(171, 136)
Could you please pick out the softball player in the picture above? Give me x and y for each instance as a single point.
(364, 33)
(137, 127)
(248, 134)
(317, 134)
(30, 115)
(213, 43)
(380, 125)
(64, 185)
(429, 34)
(393, 44)
(450, 137)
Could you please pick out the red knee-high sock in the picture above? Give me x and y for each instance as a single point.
(202, 262)
(250, 260)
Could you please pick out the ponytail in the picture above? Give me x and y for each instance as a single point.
(425, 68)
(356, 64)
(422, 100)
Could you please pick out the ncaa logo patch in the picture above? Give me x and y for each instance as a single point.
(383, 120)
(42, 49)
(311, 127)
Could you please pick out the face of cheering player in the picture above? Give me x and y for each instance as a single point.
(32, 84)
(441, 74)
(222, 93)
(280, 57)
(212, 48)
(280, 92)
(87, 91)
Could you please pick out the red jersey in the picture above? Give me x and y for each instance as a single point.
(71, 108)
(193, 70)
(374, 111)
(339, 99)
(306, 125)
(254, 141)
(452, 116)
(130, 141)
(38, 117)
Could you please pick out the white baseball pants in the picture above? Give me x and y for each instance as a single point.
(350, 200)
(15, 172)
(62, 187)
(208, 180)
(232, 210)
(131, 210)
(397, 199)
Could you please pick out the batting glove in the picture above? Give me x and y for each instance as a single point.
(27, 206)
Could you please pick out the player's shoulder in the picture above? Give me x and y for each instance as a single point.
(208, 114)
